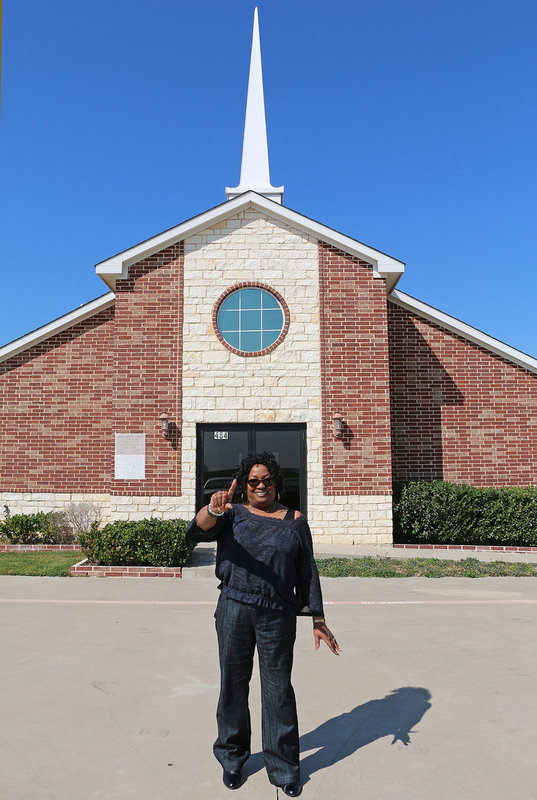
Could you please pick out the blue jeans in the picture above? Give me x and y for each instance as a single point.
(240, 627)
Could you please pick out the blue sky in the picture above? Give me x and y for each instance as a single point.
(410, 126)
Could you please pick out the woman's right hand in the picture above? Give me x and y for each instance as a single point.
(221, 501)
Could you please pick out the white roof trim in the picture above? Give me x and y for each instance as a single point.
(462, 329)
(117, 266)
(57, 326)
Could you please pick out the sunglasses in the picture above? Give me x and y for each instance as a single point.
(254, 482)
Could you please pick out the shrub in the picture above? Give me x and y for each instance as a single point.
(149, 542)
(437, 512)
(28, 528)
(3, 537)
(54, 527)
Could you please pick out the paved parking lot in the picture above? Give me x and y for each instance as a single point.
(109, 688)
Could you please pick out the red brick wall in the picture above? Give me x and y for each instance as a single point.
(62, 401)
(355, 375)
(459, 413)
(148, 362)
(55, 411)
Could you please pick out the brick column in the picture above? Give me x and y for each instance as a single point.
(147, 382)
(355, 375)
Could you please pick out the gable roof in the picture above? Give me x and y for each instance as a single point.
(385, 266)
(462, 329)
(117, 266)
(56, 326)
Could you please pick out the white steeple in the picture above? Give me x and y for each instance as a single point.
(255, 165)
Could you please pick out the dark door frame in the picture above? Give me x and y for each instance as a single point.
(251, 427)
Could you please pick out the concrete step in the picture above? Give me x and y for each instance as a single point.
(201, 562)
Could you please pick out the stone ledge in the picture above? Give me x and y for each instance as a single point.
(486, 547)
(83, 569)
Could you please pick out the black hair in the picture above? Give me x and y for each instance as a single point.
(267, 460)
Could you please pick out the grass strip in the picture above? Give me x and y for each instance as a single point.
(58, 565)
(39, 564)
(384, 567)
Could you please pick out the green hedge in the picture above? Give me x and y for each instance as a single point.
(436, 512)
(29, 528)
(149, 542)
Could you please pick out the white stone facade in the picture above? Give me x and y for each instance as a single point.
(33, 502)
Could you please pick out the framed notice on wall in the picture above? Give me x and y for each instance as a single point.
(130, 456)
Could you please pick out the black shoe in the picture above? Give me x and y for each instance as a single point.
(232, 779)
(292, 789)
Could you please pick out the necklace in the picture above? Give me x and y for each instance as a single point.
(264, 510)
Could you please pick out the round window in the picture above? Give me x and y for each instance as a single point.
(250, 320)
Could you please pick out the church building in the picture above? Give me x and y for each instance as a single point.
(252, 327)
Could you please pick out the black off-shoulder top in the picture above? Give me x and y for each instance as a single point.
(264, 561)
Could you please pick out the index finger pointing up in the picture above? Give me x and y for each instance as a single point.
(231, 489)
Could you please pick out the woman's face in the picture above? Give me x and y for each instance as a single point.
(263, 494)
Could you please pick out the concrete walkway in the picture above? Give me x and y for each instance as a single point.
(109, 688)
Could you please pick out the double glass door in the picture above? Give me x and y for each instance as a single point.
(220, 449)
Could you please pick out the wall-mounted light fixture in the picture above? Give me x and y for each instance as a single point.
(337, 419)
(165, 425)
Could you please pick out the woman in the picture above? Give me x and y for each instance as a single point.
(264, 560)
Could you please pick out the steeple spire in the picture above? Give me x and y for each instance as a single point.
(255, 165)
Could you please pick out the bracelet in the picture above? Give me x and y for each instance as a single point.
(319, 619)
(212, 513)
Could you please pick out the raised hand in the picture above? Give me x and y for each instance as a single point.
(221, 501)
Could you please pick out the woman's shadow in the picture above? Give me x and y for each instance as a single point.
(394, 715)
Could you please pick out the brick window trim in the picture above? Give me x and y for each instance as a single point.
(251, 285)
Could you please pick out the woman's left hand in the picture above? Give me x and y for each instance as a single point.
(322, 633)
